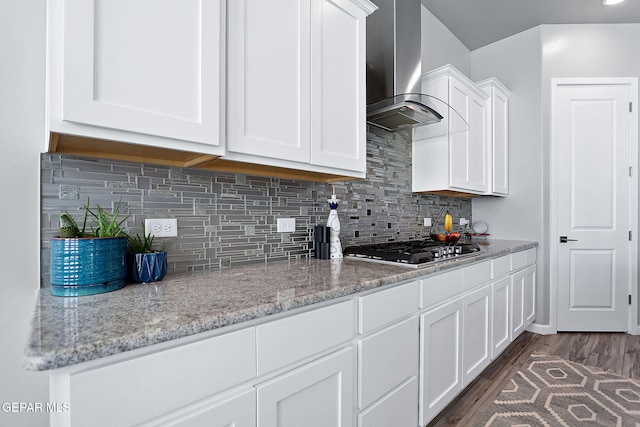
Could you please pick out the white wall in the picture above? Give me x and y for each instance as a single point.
(517, 63)
(22, 101)
(441, 47)
(525, 63)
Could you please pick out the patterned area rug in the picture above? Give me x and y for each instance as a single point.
(550, 391)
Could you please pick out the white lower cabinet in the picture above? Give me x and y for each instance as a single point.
(476, 333)
(237, 411)
(440, 358)
(146, 387)
(390, 357)
(318, 394)
(398, 409)
(518, 294)
(501, 325)
(388, 376)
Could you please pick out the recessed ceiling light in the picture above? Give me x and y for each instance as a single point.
(611, 2)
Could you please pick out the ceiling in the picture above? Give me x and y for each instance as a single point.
(477, 23)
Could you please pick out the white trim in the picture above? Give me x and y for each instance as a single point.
(632, 82)
(537, 328)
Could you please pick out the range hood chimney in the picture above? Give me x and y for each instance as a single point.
(394, 69)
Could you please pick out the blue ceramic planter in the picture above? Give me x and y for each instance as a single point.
(87, 266)
(147, 267)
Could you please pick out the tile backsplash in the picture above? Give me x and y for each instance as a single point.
(230, 219)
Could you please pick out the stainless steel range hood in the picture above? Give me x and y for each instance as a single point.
(394, 69)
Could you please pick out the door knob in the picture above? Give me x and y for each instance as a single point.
(564, 239)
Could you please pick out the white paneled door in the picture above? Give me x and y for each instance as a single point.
(592, 135)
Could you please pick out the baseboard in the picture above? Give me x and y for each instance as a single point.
(537, 328)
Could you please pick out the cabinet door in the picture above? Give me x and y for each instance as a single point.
(318, 394)
(386, 360)
(397, 409)
(468, 150)
(529, 295)
(476, 334)
(517, 303)
(269, 78)
(440, 358)
(338, 87)
(239, 411)
(147, 66)
(500, 141)
(501, 325)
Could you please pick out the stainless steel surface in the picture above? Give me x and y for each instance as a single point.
(394, 69)
(413, 254)
(436, 260)
(394, 62)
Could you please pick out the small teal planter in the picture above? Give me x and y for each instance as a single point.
(147, 267)
(87, 266)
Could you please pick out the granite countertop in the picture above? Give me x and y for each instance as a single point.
(69, 330)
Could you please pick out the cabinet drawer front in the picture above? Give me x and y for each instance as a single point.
(500, 266)
(288, 340)
(518, 260)
(439, 288)
(386, 360)
(475, 275)
(193, 371)
(319, 393)
(530, 256)
(384, 307)
(399, 408)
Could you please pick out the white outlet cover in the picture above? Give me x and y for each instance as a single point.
(161, 227)
(286, 225)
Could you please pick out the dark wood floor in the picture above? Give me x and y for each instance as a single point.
(619, 353)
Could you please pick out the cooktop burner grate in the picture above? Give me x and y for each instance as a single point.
(412, 252)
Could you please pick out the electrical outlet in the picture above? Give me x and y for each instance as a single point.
(166, 227)
(427, 222)
(464, 221)
(286, 225)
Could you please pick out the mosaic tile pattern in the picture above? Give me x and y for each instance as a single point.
(230, 219)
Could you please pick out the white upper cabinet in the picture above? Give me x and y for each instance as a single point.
(147, 72)
(296, 84)
(498, 106)
(457, 161)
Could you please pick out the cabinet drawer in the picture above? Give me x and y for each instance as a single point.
(399, 408)
(441, 287)
(288, 340)
(384, 307)
(386, 360)
(177, 377)
(518, 260)
(475, 275)
(500, 266)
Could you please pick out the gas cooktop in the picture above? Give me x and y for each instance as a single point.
(412, 253)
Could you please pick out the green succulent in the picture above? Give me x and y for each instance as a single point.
(107, 225)
(140, 244)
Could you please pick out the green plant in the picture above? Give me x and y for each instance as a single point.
(107, 225)
(140, 244)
